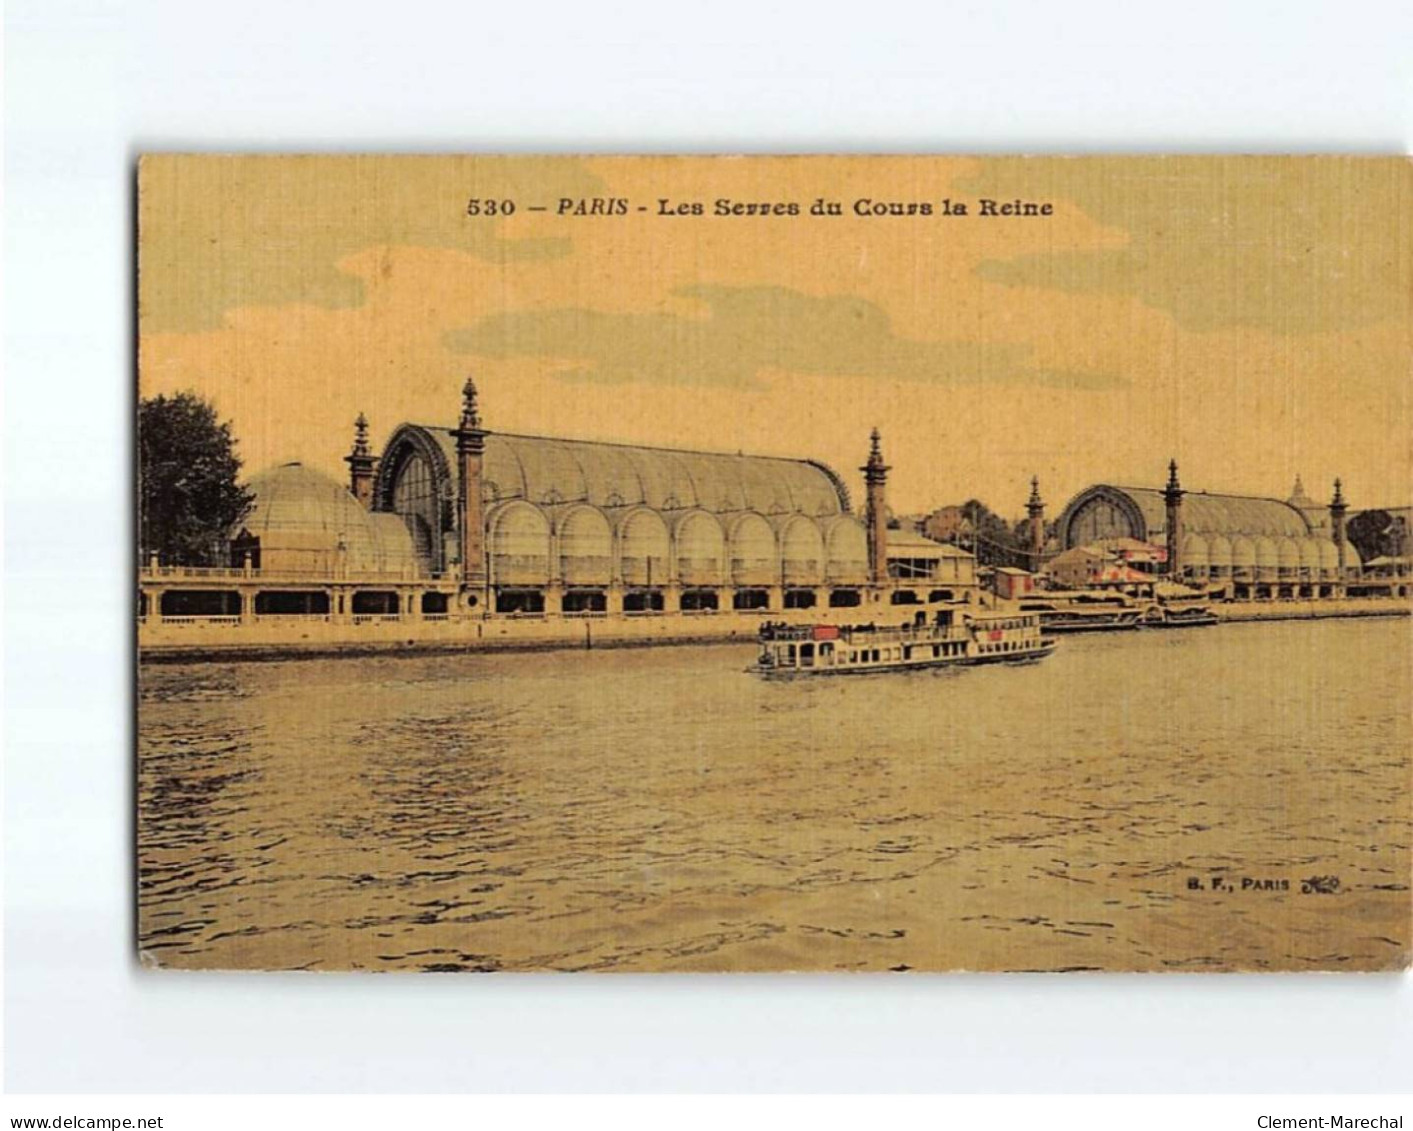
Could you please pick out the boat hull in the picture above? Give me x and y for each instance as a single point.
(1030, 656)
(1065, 626)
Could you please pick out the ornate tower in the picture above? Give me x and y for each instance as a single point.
(1338, 509)
(470, 512)
(876, 516)
(1172, 496)
(1035, 511)
(360, 464)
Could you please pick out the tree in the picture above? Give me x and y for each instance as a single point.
(994, 540)
(188, 496)
(1376, 534)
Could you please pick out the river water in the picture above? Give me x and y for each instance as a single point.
(660, 809)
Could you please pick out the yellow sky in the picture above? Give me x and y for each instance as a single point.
(1250, 316)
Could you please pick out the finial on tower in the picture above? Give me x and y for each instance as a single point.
(1034, 501)
(361, 463)
(360, 436)
(875, 470)
(470, 414)
(1173, 484)
(1338, 500)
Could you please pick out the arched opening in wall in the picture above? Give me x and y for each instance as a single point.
(141, 603)
(520, 602)
(700, 550)
(520, 543)
(586, 548)
(847, 551)
(1105, 514)
(201, 603)
(292, 603)
(375, 603)
(801, 598)
(643, 601)
(940, 595)
(750, 600)
(700, 600)
(905, 597)
(753, 551)
(580, 601)
(434, 604)
(644, 547)
(414, 500)
(802, 553)
(844, 599)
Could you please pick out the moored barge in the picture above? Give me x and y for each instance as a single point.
(828, 649)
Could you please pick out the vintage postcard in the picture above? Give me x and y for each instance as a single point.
(774, 564)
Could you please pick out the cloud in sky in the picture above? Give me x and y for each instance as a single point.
(1294, 246)
(729, 336)
(242, 231)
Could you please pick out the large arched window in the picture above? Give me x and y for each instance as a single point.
(1100, 512)
(414, 499)
(520, 542)
(1196, 562)
(1243, 559)
(1267, 559)
(644, 549)
(1219, 556)
(847, 548)
(752, 551)
(700, 550)
(802, 548)
(585, 548)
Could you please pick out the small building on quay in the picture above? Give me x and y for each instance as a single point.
(466, 525)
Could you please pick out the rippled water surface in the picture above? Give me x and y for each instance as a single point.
(662, 810)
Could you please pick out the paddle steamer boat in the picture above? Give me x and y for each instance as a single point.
(966, 638)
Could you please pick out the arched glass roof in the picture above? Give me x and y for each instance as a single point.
(546, 470)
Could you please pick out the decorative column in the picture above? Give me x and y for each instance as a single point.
(470, 511)
(1172, 496)
(360, 464)
(1338, 510)
(1035, 511)
(876, 515)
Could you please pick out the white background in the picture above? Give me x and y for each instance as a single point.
(89, 85)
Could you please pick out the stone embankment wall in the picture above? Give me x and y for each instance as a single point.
(271, 638)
